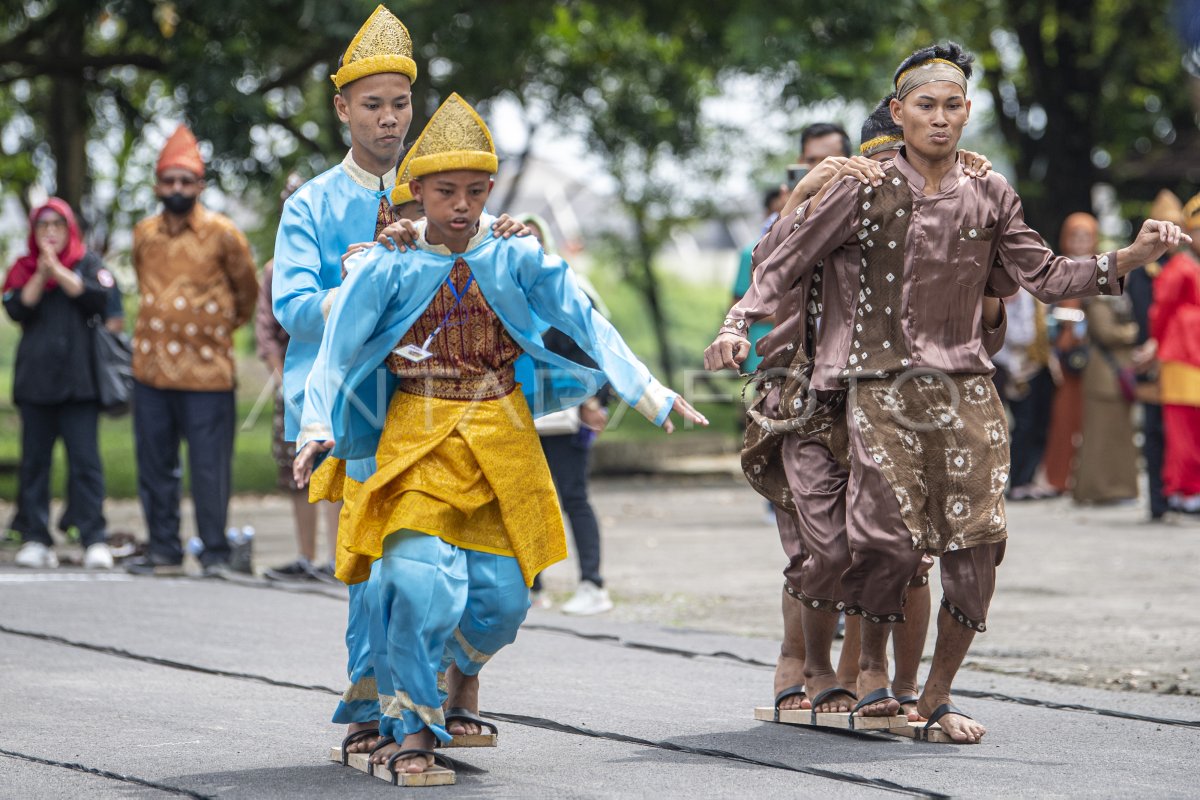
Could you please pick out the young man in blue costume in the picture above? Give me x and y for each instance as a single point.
(328, 218)
(461, 513)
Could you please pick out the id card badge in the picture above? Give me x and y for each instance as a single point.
(413, 353)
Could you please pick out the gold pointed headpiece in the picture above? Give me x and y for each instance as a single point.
(382, 44)
(1166, 206)
(1191, 213)
(455, 138)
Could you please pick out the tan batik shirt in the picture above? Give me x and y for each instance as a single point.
(197, 286)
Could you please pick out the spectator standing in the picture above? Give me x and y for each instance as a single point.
(1175, 324)
(56, 293)
(1107, 468)
(567, 437)
(197, 283)
(1028, 388)
(1139, 286)
(1079, 238)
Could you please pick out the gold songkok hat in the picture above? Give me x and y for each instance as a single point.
(889, 141)
(1191, 213)
(935, 69)
(382, 44)
(401, 194)
(1167, 207)
(455, 138)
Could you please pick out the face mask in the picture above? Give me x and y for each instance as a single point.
(178, 203)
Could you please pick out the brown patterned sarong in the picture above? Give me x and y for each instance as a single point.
(941, 442)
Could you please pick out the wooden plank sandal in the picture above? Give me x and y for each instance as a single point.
(766, 714)
(340, 755)
(482, 739)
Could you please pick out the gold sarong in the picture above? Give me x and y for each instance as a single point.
(471, 473)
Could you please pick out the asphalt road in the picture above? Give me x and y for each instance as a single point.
(122, 687)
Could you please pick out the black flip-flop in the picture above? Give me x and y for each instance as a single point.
(943, 710)
(791, 691)
(466, 715)
(439, 760)
(382, 743)
(874, 697)
(825, 695)
(357, 736)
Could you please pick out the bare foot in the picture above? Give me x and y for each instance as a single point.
(956, 726)
(870, 680)
(819, 682)
(909, 709)
(422, 740)
(462, 692)
(790, 672)
(364, 744)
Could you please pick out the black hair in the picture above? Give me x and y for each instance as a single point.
(770, 196)
(880, 123)
(819, 129)
(950, 51)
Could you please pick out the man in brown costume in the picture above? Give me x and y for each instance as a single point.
(901, 335)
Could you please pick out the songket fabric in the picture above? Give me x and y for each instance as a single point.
(461, 514)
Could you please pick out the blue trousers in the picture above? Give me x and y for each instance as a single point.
(433, 604)
(360, 703)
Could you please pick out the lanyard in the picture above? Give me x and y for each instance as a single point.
(458, 298)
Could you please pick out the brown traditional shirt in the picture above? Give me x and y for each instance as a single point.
(473, 354)
(967, 238)
(197, 286)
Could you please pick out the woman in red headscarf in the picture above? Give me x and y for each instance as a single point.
(56, 293)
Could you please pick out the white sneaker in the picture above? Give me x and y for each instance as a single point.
(36, 555)
(540, 600)
(98, 556)
(588, 599)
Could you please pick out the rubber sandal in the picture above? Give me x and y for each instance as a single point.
(825, 695)
(482, 739)
(382, 743)
(791, 691)
(440, 773)
(357, 736)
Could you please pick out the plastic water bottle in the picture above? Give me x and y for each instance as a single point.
(241, 546)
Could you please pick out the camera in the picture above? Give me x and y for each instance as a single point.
(795, 172)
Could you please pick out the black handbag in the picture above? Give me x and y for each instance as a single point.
(112, 361)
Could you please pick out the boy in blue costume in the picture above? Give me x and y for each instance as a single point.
(461, 514)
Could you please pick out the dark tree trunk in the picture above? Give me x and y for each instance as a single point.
(69, 115)
(1055, 170)
(648, 281)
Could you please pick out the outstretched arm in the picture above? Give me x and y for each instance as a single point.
(555, 296)
(824, 230)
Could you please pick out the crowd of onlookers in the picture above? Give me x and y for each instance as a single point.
(1087, 381)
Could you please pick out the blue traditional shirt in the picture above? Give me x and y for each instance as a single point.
(386, 291)
(320, 221)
